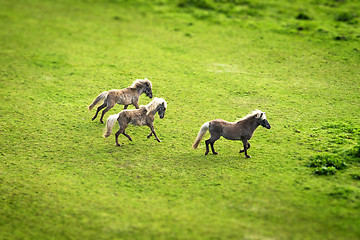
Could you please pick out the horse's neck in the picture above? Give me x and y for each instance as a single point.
(153, 112)
(151, 115)
(252, 124)
(143, 110)
(140, 90)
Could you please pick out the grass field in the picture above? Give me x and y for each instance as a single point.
(298, 61)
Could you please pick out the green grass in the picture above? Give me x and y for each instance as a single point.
(60, 179)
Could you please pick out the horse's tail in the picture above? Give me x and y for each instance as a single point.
(99, 98)
(201, 134)
(110, 122)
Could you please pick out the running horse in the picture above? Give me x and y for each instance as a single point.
(144, 116)
(241, 130)
(126, 96)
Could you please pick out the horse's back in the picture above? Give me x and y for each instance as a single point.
(224, 128)
(121, 96)
(135, 117)
(217, 125)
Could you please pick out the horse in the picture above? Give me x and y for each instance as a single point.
(126, 96)
(241, 130)
(145, 115)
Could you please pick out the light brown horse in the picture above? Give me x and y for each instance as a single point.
(145, 115)
(241, 130)
(126, 96)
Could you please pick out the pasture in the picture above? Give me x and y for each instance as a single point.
(298, 61)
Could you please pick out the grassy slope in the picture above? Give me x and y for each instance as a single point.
(60, 178)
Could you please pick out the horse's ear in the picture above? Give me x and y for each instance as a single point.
(164, 104)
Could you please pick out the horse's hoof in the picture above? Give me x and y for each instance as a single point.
(215, 153)
(248, 156)
(118, 145)
(241, 151)
(159, 140)
(206, 153)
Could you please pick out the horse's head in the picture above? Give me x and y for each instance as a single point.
(148, 90)
(161, 110)
(262, 120)
(157, 105)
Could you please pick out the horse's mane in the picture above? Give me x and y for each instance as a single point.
(155, 103)
(256, 113)
(140, 83)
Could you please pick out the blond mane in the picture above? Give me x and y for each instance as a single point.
(140, 82)
(256, 114)
(154, 104)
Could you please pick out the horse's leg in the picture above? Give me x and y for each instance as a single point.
(121, 131)
(151, 133)
(151, 126)
(109, 106)
(207, 147)
(116, 137)
(127, 135)
(98, 109)
(136, 104)
(213, 138)
(246, 146)
(212, 148)
(156, 136)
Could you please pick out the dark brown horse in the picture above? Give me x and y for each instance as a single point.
(145, 115)
(126, 96)
(241, 130)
